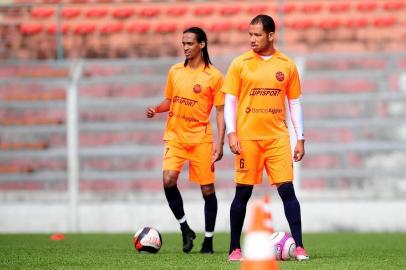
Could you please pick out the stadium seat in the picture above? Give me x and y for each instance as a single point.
(70, 12)
(149, 11)
(356, 22)
(177, 11)
(257, 9)
(311, 7)
(223, 26)
(84, 29)
(243, 26)
(386, 21)
(165, 27)
(30, 28)
(96, 13)
(52, 29)
(330, 23)
(203, 10)
(337, 7)
(42, 13)
(140, 28)
(366, 6)
(286, 8)
(229, 10)
(111, 28)
(300, 24)
(122, 13)
(394, 5)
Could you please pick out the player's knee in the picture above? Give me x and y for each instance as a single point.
(207, 190)
(286, 191)
(170, 179)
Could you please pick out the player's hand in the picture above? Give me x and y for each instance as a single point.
(217, 153)
(150, 112)
(299, 151)
(234, 143)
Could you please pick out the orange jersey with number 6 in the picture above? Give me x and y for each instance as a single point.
(261, 87)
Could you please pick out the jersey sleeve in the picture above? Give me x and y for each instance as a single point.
(294, 90)
(169, 86)
(218, 95)
(232, 82)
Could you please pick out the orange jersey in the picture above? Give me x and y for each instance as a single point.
(261, 86)
(192, 92)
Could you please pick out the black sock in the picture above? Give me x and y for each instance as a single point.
(176, 204)
(237, 214)
(210, 211)
(292, 211)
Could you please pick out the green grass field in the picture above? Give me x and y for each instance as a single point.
(116, 251)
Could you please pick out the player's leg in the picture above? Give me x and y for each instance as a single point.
(279, 166)
(173, 159)
(249, 167)
(210, 214)
(201, 171)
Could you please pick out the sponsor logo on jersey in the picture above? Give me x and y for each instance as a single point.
(197, 88)
(280, 76)
(265, 92)
(263, 110)
(184, 101)
(184, 117)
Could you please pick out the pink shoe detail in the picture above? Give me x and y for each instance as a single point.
(301, 254)
(235, 255)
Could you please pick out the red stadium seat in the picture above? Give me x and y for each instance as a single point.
(243, 26)
(70, 12)
(111, 28)
(140, 28)
(300, 24)
(96, 13)
(366, 6)
(166, 28)
(223, 26)
(123, 13)
(84, 29)
(203, 11)
(199, 23)
(387, 21)
(394, 5)
(330, 23)
(229, 10)
(176, 11)
(339, 7)
(311, 7)
(42, 13)
(357, 22)
(150, 12)
(287, 8)
(31, 28)
(53, 28)
(257, 9)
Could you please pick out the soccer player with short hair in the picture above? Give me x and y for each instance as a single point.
(256, 85)
(192, 89)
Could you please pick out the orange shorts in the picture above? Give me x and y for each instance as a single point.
(275, 155)
(199, 155)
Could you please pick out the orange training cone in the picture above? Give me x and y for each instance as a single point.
(258, 251)
(57, 236)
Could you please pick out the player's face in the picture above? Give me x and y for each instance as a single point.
(260, 40)
(191, 47)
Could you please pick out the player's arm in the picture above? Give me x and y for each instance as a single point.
(161, 107)
(218, 149)
(296, 115)
(230, 117)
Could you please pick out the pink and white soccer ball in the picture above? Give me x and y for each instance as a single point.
(284, 245)
(147, 239)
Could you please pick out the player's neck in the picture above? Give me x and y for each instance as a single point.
(268, 52)
(195, 63)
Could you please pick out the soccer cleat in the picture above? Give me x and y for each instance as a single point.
(301, 254)
(207, 246)
(188, 237)
(235, 255)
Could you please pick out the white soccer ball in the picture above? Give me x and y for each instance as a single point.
(284, 245)
(147, 239)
